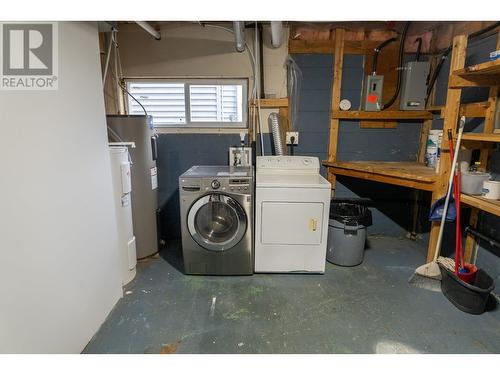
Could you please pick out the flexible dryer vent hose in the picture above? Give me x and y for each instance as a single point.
(275, 129)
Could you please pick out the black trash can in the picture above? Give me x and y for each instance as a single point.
(347, 233)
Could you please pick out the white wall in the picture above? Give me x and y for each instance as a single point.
(60, 274)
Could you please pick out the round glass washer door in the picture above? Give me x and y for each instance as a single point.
(217, 222)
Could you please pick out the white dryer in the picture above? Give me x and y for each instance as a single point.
(292, 203)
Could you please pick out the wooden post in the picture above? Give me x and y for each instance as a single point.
(424, 133)
(335, 100)
(451, 113)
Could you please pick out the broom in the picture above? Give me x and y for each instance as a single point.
(426, 273)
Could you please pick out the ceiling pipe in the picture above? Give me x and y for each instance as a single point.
(149, 29)
(276, 33)
(239, 35)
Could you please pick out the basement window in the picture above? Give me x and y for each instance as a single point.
(198, 103)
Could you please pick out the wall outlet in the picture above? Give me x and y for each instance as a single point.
(289, 136)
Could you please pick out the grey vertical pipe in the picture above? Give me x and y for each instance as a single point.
(276, 33)
(239, 35)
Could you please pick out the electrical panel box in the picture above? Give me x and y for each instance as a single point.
(372, 93)
(414, 86)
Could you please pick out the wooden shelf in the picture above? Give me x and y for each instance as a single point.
(408, 174)
(488, 205)
(488, 68)
(477, 109)
(435, 109)
(272, 103)
(382, 115)
(484, 74)
(483, 137)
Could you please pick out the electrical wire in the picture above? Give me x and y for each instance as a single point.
(419, 48)
(377, 50)
(400, 67)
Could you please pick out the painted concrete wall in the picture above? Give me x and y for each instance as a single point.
(60, 267)
(354, 143)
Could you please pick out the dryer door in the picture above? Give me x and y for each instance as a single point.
(217, 222)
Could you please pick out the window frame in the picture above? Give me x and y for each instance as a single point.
(187, 100)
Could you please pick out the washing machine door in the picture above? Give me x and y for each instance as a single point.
(217, 222)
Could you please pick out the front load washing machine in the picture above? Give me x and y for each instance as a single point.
(216, 204)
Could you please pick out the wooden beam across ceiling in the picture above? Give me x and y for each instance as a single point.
(328, 46)
(436, 35)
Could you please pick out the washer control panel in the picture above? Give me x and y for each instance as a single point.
(239, 185)
(233, 185)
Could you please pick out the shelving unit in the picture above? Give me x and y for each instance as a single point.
(486, 74)
(408, 174)
(415, 174)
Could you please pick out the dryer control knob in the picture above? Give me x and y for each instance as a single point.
(215, 184)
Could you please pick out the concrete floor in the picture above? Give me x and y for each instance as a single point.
(365, 309)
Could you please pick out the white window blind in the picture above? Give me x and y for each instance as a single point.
(191, 102)
(215, 103)
(164, 101)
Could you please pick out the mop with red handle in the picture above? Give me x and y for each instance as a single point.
(459, 256)
(465, 272)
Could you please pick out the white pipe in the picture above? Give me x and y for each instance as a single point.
(122, 144)
(276, 33)
(108, 55)
(239, 35)
(149, 29)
